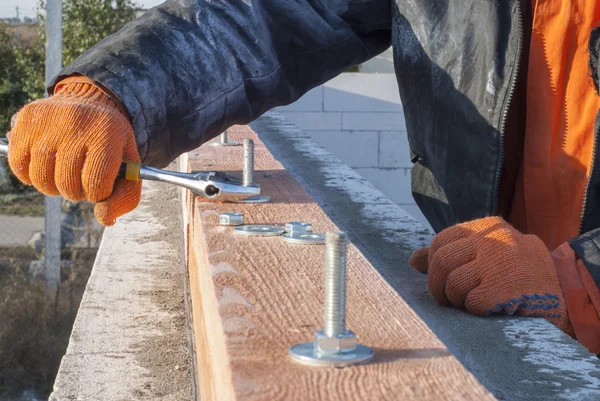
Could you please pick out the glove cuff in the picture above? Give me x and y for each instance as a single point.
(87, 88)
(536, 248)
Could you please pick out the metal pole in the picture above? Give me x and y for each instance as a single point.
(53, 203)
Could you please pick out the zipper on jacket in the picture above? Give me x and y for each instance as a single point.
(587, 185)
(511, 92)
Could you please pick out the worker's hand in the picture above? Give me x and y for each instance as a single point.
(487, 267)
(73, 144)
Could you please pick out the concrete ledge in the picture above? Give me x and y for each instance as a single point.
(129, 340)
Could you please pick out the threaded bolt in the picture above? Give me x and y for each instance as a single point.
(335, 284)
(248, 170)
(224, 138)
(334, 345)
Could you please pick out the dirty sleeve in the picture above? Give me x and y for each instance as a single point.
(188, 69)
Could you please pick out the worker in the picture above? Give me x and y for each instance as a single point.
(500, 99)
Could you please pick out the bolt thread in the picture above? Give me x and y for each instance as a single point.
(248, 170)
(335, 284)
(224, 138)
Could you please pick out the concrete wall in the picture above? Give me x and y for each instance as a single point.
(359, 118)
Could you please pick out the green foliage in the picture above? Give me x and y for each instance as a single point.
(19, 81)
(85, 23)
(22, 76)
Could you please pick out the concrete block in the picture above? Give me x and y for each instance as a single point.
(315, 121)
(362, 92)
(370, 121)
(311, 101)
(393, 150)
(394, 183)
(356, 149)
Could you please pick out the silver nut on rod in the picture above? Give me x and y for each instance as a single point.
(298, 227)
(299, 232)
(334, 346)
(231, 219)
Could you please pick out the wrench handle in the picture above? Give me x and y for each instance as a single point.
(130, 171)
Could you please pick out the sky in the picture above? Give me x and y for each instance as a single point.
(27, 7)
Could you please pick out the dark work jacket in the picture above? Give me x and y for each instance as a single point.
(188, 69)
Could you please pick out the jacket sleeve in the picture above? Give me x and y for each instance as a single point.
(188, 69)
(578, 268)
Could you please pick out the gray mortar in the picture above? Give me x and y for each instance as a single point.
(506, 364)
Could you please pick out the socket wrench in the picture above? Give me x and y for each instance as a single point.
(212, 185)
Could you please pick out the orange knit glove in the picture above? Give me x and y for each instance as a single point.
(488, 267)
(73, 144)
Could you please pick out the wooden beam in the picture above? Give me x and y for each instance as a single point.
(254, 297)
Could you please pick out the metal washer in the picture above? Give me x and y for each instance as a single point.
(258, 230)
(255, 199)
(307, 355)
(307, 238)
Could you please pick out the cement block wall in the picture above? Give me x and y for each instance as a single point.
(359, 118)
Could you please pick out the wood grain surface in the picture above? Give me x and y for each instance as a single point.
(254, 297)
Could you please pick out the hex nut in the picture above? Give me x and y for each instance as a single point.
(346, 342)
(298, 227)
(231, 219)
